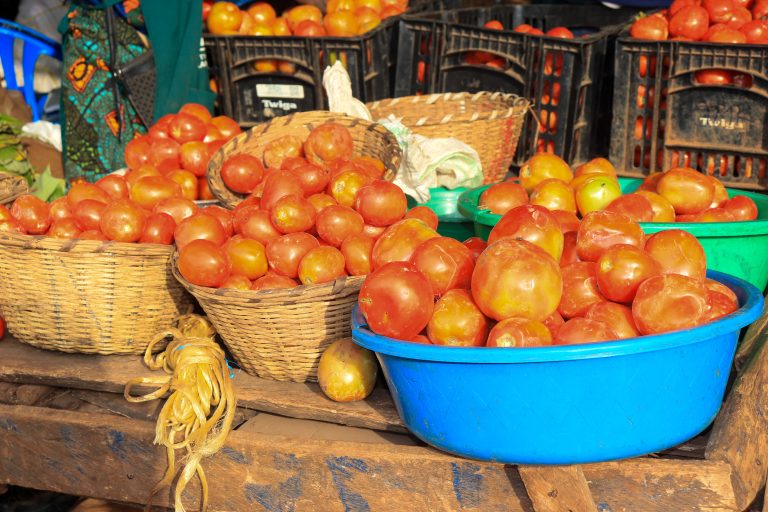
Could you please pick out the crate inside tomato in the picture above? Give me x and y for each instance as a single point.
(554, 56)
(701, 103)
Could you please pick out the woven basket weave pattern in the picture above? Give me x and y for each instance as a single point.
(369, 139)
(11, 187)
(280, 334)
(87, 296)
(488, 122)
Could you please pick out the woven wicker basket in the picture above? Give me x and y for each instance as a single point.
(279, 334)
(11, 187)
(369, 139)
(488, 122)
(87, 296)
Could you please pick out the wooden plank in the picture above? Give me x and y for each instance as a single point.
(21, 363)
(23, 394)
(740, 433)
(80, 453)
(557, 488)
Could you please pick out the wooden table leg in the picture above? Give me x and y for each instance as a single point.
(557, 488)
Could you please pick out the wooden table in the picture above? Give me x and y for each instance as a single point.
(65, 427)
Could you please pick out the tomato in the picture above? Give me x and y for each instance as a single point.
(81, 190)
(756, 31)
(676, 5)
(719, 305)
(247, 257)
(714, 215)
(374, 232)
(399, 241)
(262, 12)
(236, 282)
(742, 208)
(600, 230)
(534, 224)
(59, 210)
(341, 24)
(335, 223)
(322, 264)
(650, 27)
(457, 321)
(584, 330)
(519, 332)
(256, 224)
(502, 197)
(649, 182)
(115, 186)
(328, 142)
(396, 300)
(272, 281)
(739, 17)
(224, 18)
(199, 227)
(292, 162)
(381, 203)
(516, 278)
(424, 214)
(228, 127)
(343, 187)
(728, 36)
(137, 152)
(92, 234)
(313, 178)
(370, 166)
(570, 254)
(635, 206)
(445, 262)
(32, 213)
(554, 194)
(223, 215)
(617, 316)
(595, 193)
(293, 213)
(87, 214)
(278, 184)
(720, 196)
(347, 372)
(123, 221)
(194, 156)
(621, 269)
(663, 211)
(164, 149)
(580, 289)
(541, 167)
(690, 21)
(203, 263)
(285, 253)
(670, 302)
(12, 226)
(64, 228)
(309, 28)
(320, 201)
(303, 12)
(158, 229)
(131, 177)
(476, 246)
(196, 109)
(241, 173)
(357, 250)
(760, 10)
(278, 150)
(560, 32)
(186, 128)
(186, 180)
(678, 252)
(568, 221)
(688, 190)
(150, 190)
(159, 130)
(720, 11)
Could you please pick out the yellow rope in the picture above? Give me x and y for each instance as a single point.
(198, 414)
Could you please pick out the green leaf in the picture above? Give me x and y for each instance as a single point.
(47, 187)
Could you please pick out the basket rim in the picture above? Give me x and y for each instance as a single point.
(519, 106)
(18, 187)
(76, 245)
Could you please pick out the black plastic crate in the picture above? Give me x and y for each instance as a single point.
(567, 80)
(721, 130)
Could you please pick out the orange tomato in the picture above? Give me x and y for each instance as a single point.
(224, 18)
(262, 13)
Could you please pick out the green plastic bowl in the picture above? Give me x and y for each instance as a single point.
(736, 248)
(443, 202)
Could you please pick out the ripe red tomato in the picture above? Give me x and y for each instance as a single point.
(728, 36)
(374, 232)
(320, 201)
(223, 215)
(199, 227)
(150, 190)
(81, 190)
(568, 222)
(719, 305)
(543, 166)
(381, 203)
(580, 291)
(457, 321)
(554, 194)
(335, 223)
(560, 32)
(272, 281)
(256, 224)
(196, 109)
(186, 128)
(137, 152)
(617, 316)
(292, 162)
(670, 302)
(739, 17)
(532, 223)
(32, 213)
(194, 157)
(187, 181)
(502, 197)
(516, 278)
(322, 264)
(292, 214)
(720, 11)
(600, 230)
(161, 150)
(278, 184)
(328, 142)
(114, 185)
(742, 208)
(203, 263)
(92, 235)
(228, 127)
(122, 221)
(280, 149)
(343, 187)
(678, 252)
(64, 228)
(476, 246)
(236, 282)
(584, 330)
(663, 211)
(445, 262)
(246, 257)
(178, 208)
(756, 31)
(714, 215)
(519, 332)
(396, 300)
(313, 178)
(87, 214)
(690, 21)
(357, 249)
(399, 241)
(650, 27)
(241, 173)
(285, 253)
(59, 210)
(158, 229)
(570, 254)
(635, 206)
(424, 214)
(621, 269)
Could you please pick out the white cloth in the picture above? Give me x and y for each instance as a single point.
(44, 131)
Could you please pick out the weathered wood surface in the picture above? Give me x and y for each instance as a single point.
(24, 364)
(557, 488)
(81, 453)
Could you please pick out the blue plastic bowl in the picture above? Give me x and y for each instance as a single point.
(564, 404)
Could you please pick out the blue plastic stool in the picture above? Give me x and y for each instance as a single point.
(35, 44)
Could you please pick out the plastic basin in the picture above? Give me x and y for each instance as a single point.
(736, 248)
(564, 404)
(444, 202)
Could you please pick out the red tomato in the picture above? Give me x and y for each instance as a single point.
(621, 269)
(457, 321)
(160, 129)
(381, 203)
(292, 214)
(81, 190)
(670, 302)
(150, 190)
(236, 282)
(399, 241)
(756, 31)
(728, 36)
(560, 32)
(186, 128)
(678, 252)
(278, 184)
(502, 197)
(396, 300)
(123, 221)
(445, 262)
(570, 254)
(162, 150)
(663, 211)
(534, 224)
(679, 4)
(194, 157)
(690, 21)
(554, 194)
(543, 166)
(580, 291)
(600, 230)
(313, 178)
(739, 17)
(64, 228)
(568, 221)
(617, 316)
(196, 109)
(59, 210)
(228, 127)
(87, 214)
(256, 224)
(131, 177)
(719, 11)
(335, 223)
(241, 173)
(328, 142)
(519, 332)
(32, 213)
(285, 253)
(476, 246)
(584, 330)
(635, 206)
(321, 265)
(688, 190)
(246, 257)
(320, 201)
(115, 186)
(714, 215)
(516, 278)
(742, 208)
(203, 263)
(158, 229)
(272, 281)
(651, 28)
(137, 152)
(178, 208)
(223, 215)
(291, 163)
(199, 227)
(278, 150)
(344, 186)
(187, 181)
(424, 214)
(357, 249)
(374, 232)
(92, 235)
